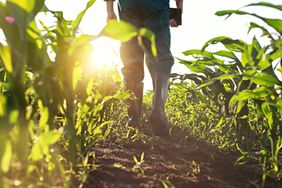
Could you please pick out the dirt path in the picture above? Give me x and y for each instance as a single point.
(166, 162)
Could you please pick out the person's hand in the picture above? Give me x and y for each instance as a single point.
(173, 23)
(111, 16)
(110, 11)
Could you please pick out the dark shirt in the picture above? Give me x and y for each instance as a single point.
(146, 4)
(142, 9)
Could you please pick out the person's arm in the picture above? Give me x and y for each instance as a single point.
(179, 4)
(110, 10)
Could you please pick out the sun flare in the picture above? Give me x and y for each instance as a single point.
(105, 53)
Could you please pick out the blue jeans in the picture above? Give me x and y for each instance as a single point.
(132, 53)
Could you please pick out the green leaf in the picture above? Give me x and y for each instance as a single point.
(246, 58)
(210, 82)
(80, 42)
(268, 113)
(226, 77)
(249, 73)
(39, 6)
(116, 76)
(122, 95)
(7, 156)
(192, 65)
(36, 152)
(230, 44)
(199, 53)
(220, 123)
(266, 4)
(89, 87)
(265, 79)
(274, 23)
(142, 157)
(263, 64)
(264, 30)
(118, 165)
(279, 104)
(5, 55)
(15, 33)
(37, 53)
(77, 76)
(135, 159)
(230, 12)
(26, 5)
(101, 130)
(13, 116)
(3, 104)
(243, 95)
(257, 48)
(41, 146)
(44, 114)
(263, 91)
(276, 55)
(151, 37)
(50, 137)
(195, 68)
(228, 54)
(241, 104)
(121, 30)
(76, 22)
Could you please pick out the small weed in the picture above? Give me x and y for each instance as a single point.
(138, 167)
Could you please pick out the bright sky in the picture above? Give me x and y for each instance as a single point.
(199, 25)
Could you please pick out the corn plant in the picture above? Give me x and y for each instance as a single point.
(52, 107)
(244, 78)
(17, 21)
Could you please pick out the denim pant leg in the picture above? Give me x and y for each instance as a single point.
(132, 54)
(132, 57)
(159, 24)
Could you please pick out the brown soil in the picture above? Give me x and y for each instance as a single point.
(174, 163)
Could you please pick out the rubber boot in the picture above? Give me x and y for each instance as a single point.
(158, 118)
(135, 105)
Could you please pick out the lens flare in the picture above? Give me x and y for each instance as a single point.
(105, 54)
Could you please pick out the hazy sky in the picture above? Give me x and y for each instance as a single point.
(199, 23)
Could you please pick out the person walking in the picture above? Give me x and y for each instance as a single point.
(154, 15)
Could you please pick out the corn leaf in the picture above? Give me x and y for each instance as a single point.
(26, 5)
(77, 21)
(268, 113)
(264, 30)
(265, 79)
(243, 95)
(41, 147)
(151, 37)
(274, 23)
(5, 55)
(228, 54)
(266, 4)
(229, 43)
(7, 156)
(121, 30)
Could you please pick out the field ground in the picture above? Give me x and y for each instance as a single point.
(167, 162)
